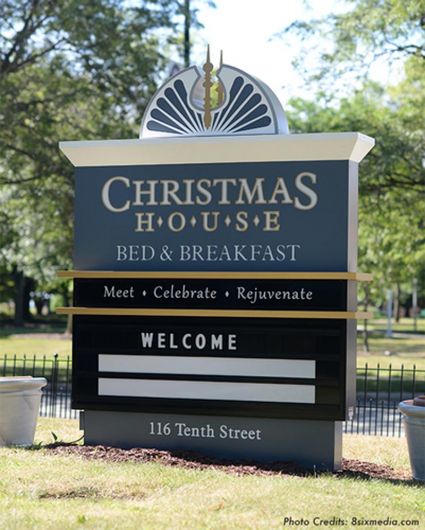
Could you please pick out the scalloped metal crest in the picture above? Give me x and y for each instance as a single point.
(245, 106)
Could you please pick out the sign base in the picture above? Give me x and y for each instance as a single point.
(311, 444)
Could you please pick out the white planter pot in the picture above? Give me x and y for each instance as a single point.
(19, 407)
(414, 425)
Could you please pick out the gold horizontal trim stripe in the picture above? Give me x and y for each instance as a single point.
(231, 313)
(225, 275)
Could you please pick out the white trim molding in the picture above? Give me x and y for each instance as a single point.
(209, 150)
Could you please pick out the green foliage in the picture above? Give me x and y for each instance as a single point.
(392, 202)
(366, 31)
(392, 177)
(68, 70)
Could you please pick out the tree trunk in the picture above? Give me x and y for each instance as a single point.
(39, 303)
(186, 37)
(19, 298)
(397, 302)
(415, 304)
(29, 286)
(365, 328)
(64, 291)
(68, 330)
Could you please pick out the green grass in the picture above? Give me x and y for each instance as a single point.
(36, 327)
(41, 490)
(405, 325)
(42, 339)
(34, 346)
(405, 351)
(390, 382)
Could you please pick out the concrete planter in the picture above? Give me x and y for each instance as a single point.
(19, 407)
(414, 423)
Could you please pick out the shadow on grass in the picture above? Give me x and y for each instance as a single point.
(7, 328)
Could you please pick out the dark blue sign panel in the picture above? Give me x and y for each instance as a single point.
(269, 216)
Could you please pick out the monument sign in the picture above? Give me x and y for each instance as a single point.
(215, 277)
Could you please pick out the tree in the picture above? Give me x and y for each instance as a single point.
(68, 69)
(188, 10)
(371, 30)
(392, 199)
(351, 42)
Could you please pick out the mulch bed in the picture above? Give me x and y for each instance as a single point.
(192, 460)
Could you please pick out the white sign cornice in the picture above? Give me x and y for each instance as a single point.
(352, 146)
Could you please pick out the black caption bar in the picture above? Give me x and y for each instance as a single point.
(307, 295)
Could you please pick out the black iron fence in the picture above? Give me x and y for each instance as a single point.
(379, 391)
(56, 398)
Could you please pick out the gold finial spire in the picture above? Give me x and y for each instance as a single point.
(220, 89)
(208, 66)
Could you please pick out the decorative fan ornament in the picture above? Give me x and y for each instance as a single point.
(190, 104)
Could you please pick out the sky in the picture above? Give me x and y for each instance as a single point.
(246, 32)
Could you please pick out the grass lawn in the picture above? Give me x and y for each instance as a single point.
(406, 347)
(45, 339)
(405, 325)
(41, 490)
(404, 350)
(30, 346)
